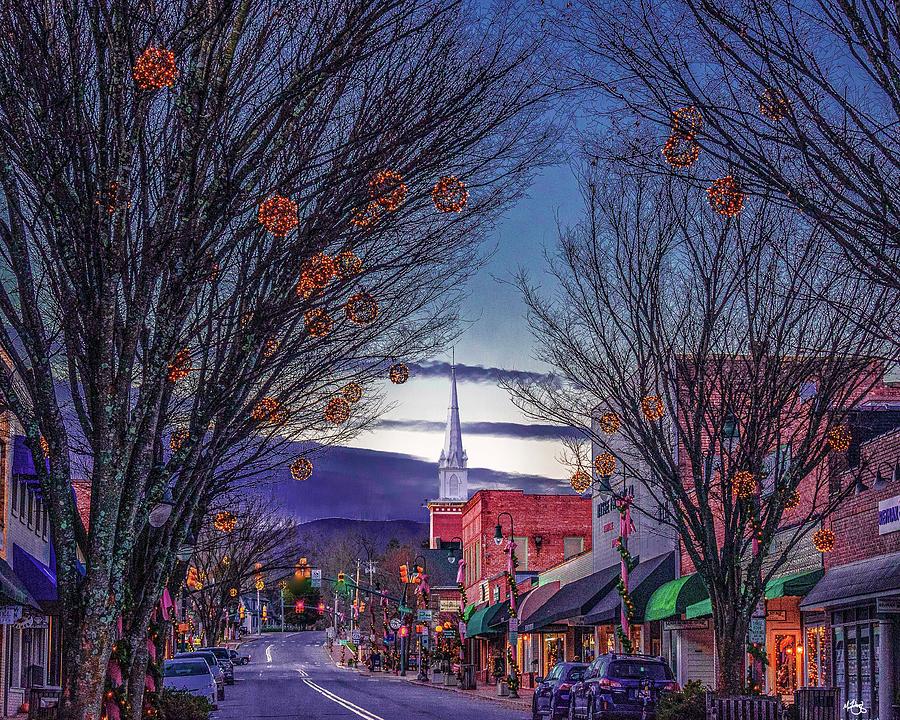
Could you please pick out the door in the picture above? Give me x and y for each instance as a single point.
(788, 662)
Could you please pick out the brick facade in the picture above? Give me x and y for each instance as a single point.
(445, 520)
(552, 518)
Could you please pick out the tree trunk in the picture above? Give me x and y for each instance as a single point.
(137, 673)
(85, 659)
(730, 654)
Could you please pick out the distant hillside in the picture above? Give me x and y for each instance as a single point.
(376, 534)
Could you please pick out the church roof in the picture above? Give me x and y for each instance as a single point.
(453, 455)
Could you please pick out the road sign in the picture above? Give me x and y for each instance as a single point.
(316, 577)
(395, 623)
(329, 633)
(354, 636)
(423, 616)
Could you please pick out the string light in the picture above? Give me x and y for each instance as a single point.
(225, 521)
(388, 189)
(269, 410)
(180, 366)
(366, 216)
(725, 196)
(652, 407)
(315, 274)
(352, 392)
(839, 438)
(609, 422)
(687, 121)
(361, 308)
(155, 69)
(449, 194)
(605, 464)
(348, 264)
(681, 151)
(792, 500)
(270, 347)
(398, 373)
(580, 481)
(773, 104)
(278, 215)
(178, 438)
(318, 322)
(301, 469)
(233, 592)
(744, 484)
(337, 411)
(45, 447)
(824, 540)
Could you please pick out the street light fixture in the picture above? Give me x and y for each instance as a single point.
(498, 529)
(186, 551)
(451, 558)
(161, 512)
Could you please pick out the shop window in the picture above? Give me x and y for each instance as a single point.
(38, 515)
(15, 494)
(818, 657)
(30, 509)
(46, 524)
(14, 636)
(522, 552)
(23, 501)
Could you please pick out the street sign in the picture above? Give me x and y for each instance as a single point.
(423, 616)
(329, 633)
(9, 614)
(403, 610)
(316, 577)
(513, 626)
(395, 623)
(354, 636)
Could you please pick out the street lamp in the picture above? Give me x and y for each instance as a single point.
(498, 529)
(160, 513)
(451, 557)
(186, 551)
(498, 540)
(422, 675)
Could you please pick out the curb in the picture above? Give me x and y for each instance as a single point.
(475, 696)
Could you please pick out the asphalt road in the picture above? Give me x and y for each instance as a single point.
(291, 678)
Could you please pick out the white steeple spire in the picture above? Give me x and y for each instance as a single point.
(452, 467)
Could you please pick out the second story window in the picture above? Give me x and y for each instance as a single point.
(15, 494)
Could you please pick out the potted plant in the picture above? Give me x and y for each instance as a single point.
(498, 672)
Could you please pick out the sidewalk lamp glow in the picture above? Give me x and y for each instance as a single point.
(160, 513)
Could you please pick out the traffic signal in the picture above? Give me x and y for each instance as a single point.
(341, 577)
(299, 606)
(418, 577)
(404, 631)
(322, 608)
(404, 574)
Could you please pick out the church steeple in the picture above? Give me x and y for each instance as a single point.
(452, 467)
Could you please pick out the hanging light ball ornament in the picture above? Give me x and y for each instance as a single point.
(268, 410)
(180, 366)
(348, 264)
(823, 540)
(178, 438)
(260, 585)
(270, 347)
(352, 392)
(278, 215)
(652, 407)
(398, 373)
(839, 438)
(681, 151)
(609, 422)
(744, 484)
(361, 308)
(301, 469)
(725, 196)
(233, 592)
(367, 216)
(337, 411)
(773, 105)
(687, 121)
(792, 500)
(580, 481)
(605, 464)
(318, 322)
(388, 189)
(155, 69)
(225, 521)
(449, 194)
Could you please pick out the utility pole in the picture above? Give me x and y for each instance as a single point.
(282, 605)
(258, 613)
(335, 615)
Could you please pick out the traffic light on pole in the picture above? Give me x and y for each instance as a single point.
(322, 608)
(404, 631)
(342, 577)
(299, 606)
(404, 574)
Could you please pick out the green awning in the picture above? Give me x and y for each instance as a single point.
(479, 623)
(671, 599)
(794, 584)
(467, 613)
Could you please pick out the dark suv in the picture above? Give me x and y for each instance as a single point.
(621, 687)
(551, 694)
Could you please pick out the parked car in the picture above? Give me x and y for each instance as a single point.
(551, 694)
(191, 675)
(624, 687)
(224, 657)
(213, 663)
(237, 658)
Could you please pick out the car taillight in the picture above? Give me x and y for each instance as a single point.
(607, 683)
(673, 686)
(565, 686)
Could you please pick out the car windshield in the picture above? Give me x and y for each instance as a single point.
(183, 668)
(638, 670)
(218, 652)
(575, 673)
(209, 657)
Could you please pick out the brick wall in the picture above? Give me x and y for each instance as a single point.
(553, 517)
(855, 522)
(446, 522)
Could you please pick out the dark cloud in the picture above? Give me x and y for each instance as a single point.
(478, 373)
(519, 431)
(376, 485)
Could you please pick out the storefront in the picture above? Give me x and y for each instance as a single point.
(862, 603)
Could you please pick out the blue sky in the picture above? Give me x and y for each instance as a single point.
(390, 471)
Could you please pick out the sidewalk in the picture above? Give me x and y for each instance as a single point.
(482, 692)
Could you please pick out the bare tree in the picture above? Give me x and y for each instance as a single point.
(707, 352)
(798, 100)
(143, 150)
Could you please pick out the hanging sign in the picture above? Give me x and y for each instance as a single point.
(423, 616)
(757, 630)
(316, 578)
(395, 623)
(889, 515)
(9, 614)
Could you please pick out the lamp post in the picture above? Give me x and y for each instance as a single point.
(511, 569)
(461, 584)
(423, 596)
(160, 512)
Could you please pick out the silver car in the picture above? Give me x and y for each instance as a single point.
(214, 666)
(191, 675)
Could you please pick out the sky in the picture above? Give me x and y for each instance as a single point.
(390, 471)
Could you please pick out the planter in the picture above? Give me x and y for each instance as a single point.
(502, 689)
(438, 677)
(450, 680)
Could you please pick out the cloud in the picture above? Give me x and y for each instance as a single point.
(478, 373)
(518, 431)
(376, 485)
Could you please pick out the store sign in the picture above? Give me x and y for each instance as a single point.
(757, 631)
(887, 605)
(423, 616)
(9, 614)
(889, 515)
(695, 624)
(449, 606)
(513, 626)
(395, 623)
(35, 621)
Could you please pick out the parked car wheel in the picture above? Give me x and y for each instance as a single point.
(590, 709)
(535, 715)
